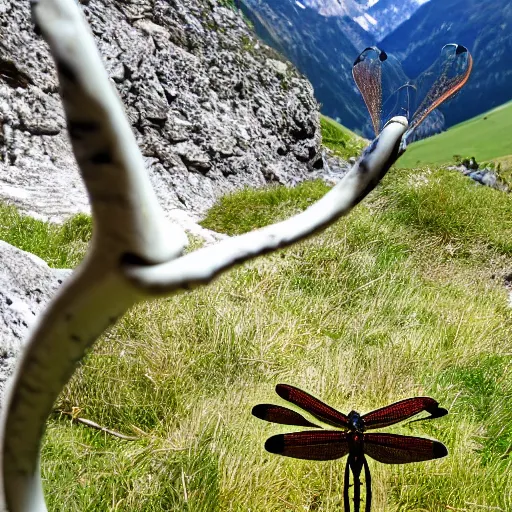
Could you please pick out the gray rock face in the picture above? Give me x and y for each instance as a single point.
(26, 284)
(212, 108)
(333, 168)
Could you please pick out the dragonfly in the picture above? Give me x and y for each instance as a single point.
(351, 440)
(387, 91)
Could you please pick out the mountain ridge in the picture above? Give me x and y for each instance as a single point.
(377, 17)
(324, 46)
(323, 38)
(485, 32)
(324, 51)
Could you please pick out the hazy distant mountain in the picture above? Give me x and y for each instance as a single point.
(322, 47)
(378, 17)
(388, 15)
(323, 37)
(349, 8)
(484, 26)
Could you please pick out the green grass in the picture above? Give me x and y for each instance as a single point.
(403, 297)
(275, 204)
(60, 246)
(486, 137)
(227, 3)
(339, 139)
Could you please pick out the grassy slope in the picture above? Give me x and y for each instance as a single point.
(485, 137)
(340, 139)
(60, 246)
(397, 299)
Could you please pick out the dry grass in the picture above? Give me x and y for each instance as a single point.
(394, 301)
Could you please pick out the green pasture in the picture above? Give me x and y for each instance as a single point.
(342, 141)
(486, 137)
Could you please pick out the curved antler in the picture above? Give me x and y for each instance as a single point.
(135, 252)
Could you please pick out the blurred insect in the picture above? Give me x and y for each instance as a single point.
(352, 440)
(388, 92)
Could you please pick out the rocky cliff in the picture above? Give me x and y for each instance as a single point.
(26, 283)
(212, 108)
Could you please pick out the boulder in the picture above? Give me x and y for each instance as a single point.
(26, 285)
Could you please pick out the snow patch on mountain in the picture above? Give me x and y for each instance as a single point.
(390, 14)
(350, 8)
(366, 21)
(378, 17)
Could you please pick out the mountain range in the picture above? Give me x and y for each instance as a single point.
(484, 27)
(322, 47)
(377, 17)
(323, 37)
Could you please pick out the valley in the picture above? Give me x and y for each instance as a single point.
(323, 37)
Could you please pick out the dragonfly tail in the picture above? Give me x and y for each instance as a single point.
(368, 483)
(346, 497)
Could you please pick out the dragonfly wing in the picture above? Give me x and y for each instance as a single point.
(315, 407)
(367, 73)
(396, 449)
(311, 445)
(380, 77)
(442, 80)
(281, 415)
(403, 410)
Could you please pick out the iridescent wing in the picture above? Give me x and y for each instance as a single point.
(397, 449)
(384, 86)
(367, 73)
(315, 407)
(400, 411)
(310, 445)
(387, 92)
(449, 73)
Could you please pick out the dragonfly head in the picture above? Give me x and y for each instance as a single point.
(356, 423)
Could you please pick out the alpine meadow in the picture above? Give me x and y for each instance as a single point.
(200, 224)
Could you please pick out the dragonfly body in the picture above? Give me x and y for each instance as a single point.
(351, 439)
(356, 462)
